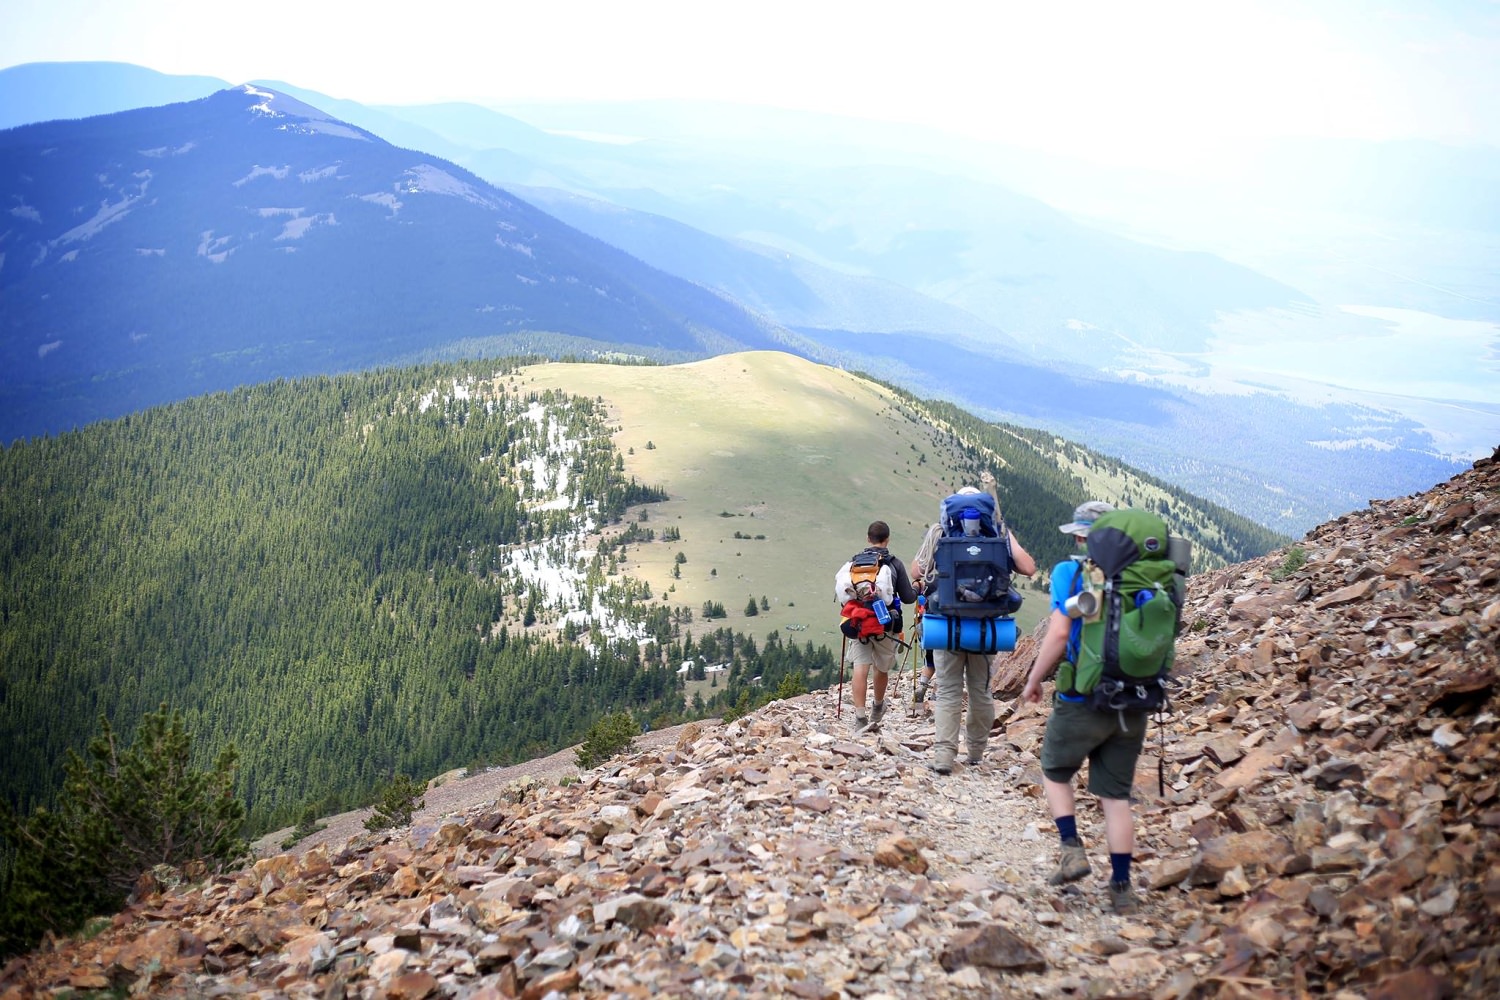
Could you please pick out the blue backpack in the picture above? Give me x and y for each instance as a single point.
(971, 579)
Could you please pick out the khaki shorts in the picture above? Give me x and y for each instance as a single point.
(1076, 733)
(877, 653)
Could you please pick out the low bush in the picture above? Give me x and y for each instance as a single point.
(397, 800)
(611, 735)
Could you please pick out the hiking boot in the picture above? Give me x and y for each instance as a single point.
(1073, 865)
(861, 723)
(973, 759)
(921, 694)
(1122, 898)
(877, 713)
(940, 768)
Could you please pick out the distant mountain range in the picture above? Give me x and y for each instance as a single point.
(163, 252)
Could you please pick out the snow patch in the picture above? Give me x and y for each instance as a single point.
(208, 246)
(108, 213)
(294, 229)
(390, 201)
(324, 126)
(322, 173)
(557, 570)
(268, 213)
(264, 107)
(1351, 443)
(527, 281)
(428, 179)
(517, 247)
(279, 173)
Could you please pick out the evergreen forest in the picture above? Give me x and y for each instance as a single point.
(315, 574)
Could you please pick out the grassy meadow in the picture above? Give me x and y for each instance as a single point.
(755, 444)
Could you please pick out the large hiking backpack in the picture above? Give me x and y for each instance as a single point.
(859, 583)
(971, 568)
(1127, 644)
(969, 596)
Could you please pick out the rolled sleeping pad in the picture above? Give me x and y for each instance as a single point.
(968, 635)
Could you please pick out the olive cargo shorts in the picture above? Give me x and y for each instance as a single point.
(1075, 732)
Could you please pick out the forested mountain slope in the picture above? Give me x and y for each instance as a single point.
(163, 252)
(415, 570)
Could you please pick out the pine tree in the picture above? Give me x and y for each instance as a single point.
(124, 811)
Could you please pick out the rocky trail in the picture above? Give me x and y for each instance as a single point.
(1330, 825)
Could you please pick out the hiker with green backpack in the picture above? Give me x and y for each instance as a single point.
(1111, 634)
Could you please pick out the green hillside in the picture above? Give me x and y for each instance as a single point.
(767, 444)
(416, 570)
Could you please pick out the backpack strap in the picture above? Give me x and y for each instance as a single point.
(1075, 646)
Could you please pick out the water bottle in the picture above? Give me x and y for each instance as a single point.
(882, 614)
(970, 521)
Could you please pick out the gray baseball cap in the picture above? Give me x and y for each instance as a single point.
(1084, 516)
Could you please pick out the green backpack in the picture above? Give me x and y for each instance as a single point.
(1128, 640)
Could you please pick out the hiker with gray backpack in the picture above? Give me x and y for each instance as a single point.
(1111, 635)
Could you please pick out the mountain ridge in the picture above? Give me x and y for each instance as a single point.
(234, 238)
(1285, 453)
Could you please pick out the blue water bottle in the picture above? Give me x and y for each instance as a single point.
(882, 614)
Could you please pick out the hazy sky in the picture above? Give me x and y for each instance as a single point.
(1138, 81)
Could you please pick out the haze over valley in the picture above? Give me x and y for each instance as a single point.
(1277, 290)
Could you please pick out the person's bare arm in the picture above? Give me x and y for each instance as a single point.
(1021, 560)
(1049, 651)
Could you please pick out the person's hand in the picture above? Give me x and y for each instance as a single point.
(1032, 692)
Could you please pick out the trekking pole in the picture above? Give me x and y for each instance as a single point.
(838, 708)
(1161, 753)
(916, 661)
(906, 653)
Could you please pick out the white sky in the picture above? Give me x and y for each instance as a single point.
(1139, 79)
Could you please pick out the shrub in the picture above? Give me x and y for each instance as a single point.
(396, 801)
(791, 686)
(1296, 558)
(123, 811)
(609, 736)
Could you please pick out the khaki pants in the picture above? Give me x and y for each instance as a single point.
(957, 672)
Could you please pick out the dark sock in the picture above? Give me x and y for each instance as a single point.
(1067, 828)
(1120, 864)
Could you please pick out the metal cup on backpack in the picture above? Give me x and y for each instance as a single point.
(1084, 604)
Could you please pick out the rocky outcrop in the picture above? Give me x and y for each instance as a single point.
(1320, 812)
